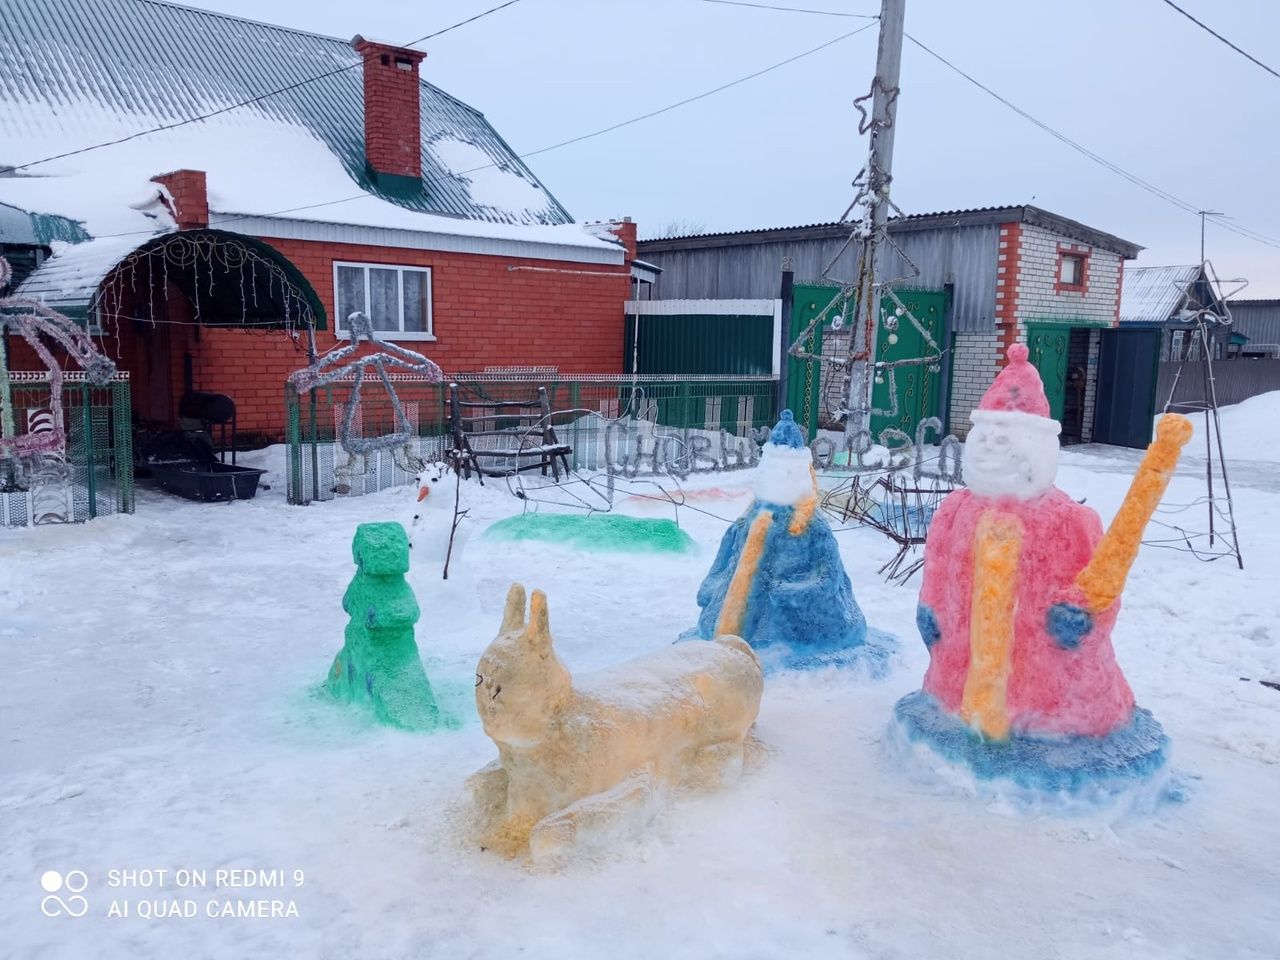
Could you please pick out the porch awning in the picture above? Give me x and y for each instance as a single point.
(235, 270)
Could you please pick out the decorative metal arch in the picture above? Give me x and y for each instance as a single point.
(204, 256)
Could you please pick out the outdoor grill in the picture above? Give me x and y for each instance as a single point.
(212, 409)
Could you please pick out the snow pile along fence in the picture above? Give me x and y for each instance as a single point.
(581, 408)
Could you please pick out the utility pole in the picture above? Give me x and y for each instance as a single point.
(784, 334)
(879, 172)
(884, 104)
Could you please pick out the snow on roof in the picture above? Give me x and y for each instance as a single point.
(1154, 294)
(79, 72)
(487, 186)
(296, 177)
(69, 278)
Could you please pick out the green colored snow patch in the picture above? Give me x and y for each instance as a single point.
(598, 532)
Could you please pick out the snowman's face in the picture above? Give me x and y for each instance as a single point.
(1010, 455)
(430, 479)
(784, 476)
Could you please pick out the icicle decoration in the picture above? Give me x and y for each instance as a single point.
(215, 252)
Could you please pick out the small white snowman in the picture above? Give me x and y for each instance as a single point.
(433, 518)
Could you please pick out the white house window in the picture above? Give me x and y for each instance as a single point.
(396, 299)
(1071, 271)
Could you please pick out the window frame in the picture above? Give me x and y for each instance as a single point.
(1079, 254)
(340, 320)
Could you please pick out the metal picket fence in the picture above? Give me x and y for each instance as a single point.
(95, 477)
(319, 469)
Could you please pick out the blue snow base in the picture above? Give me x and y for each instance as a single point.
(870, 659)
(1069, 773)
(800, 601)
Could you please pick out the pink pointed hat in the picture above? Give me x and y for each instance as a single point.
(1017, 393)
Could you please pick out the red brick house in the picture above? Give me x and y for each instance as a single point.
(205, 254)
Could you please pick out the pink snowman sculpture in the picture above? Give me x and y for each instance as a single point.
(1020, 594)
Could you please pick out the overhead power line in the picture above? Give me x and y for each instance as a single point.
(1114, 168)
(1096, 158)
(701, 96)
(563, 143)
(252, 100)
(1208, 29)
(770, 6)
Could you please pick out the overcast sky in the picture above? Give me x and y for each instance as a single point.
(1132, 80)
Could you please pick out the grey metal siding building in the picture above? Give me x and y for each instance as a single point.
(1259, 320)
(998, 266)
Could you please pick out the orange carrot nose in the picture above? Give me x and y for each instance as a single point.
(422, 493)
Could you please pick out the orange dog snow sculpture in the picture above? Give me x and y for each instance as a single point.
(582, 762)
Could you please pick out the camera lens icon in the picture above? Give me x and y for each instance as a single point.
(74, 883)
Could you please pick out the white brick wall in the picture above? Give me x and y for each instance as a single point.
(973, 367)
(1037, 298)
(1091, 385)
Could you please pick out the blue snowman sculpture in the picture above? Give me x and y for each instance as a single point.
(778, 580)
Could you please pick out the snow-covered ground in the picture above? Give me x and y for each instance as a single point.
(158, 713)
(1249, 429)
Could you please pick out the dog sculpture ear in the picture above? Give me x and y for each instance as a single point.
(513, 615)
(538, 633)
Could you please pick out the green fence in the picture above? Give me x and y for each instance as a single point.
(319, 469)
(703, 344)
(94, 477)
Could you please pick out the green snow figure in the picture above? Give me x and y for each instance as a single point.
(379, 662)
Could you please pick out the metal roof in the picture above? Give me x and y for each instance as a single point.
(1154, 294)
(70, 277)
(142, 63)
(977, 216)
(22, 228)
(16, 226)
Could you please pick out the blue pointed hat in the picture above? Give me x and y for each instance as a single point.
(787, 434)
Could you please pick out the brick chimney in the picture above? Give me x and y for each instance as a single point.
(188, 199)
(392, 112)
(625, 231)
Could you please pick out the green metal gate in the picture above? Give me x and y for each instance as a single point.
(804, 377)
(917, 385)
(1047, 344)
